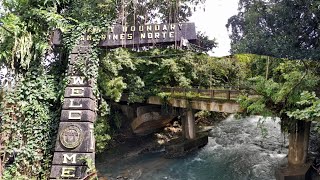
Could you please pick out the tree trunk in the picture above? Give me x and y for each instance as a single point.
(298, 143)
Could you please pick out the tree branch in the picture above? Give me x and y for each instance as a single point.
(1, 25)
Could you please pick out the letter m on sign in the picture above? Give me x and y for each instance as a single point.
(67, 158)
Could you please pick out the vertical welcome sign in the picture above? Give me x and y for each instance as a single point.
(75, 141)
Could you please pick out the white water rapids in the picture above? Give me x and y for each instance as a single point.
(237, 150)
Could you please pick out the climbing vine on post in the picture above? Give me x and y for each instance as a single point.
(30, 110)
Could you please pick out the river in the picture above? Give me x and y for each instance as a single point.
(238, 149)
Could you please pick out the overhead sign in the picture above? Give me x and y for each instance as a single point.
(123, 36)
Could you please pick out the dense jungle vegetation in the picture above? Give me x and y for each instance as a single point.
(283, 32)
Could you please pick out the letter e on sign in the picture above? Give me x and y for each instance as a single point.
(68, 172)
(77, 91)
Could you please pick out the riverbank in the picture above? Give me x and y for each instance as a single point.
(132, 149)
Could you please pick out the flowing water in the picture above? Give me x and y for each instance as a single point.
(238, 149)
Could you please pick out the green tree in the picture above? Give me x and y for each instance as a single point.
(286, 28)
(204, 43)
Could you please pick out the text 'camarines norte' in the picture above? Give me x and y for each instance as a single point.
(153, 31)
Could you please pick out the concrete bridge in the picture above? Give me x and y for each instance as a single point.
(150, 116)
(184, 102)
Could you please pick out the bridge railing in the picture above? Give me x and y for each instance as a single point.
(226, 94)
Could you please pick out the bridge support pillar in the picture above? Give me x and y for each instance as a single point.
(189, 126)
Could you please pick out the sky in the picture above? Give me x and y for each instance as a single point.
(213, 22)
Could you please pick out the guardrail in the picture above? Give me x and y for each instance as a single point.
(227, 94)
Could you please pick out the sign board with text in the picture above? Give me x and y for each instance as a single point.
(128, 36)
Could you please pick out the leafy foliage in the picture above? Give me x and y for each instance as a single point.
(102, 127)
(279, 93)
(141, 74)
(309, 105)
(286, 28)
(28, 126)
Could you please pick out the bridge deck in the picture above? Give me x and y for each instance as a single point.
(199, 104)
(221, 100)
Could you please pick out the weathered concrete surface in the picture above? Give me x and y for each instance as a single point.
(75, 137)
(78, 115)
(79, 81)
(180, 147)
(68, 172)
(79, 104)
(149, 122)
(128, 111)
(66, 158)
(146, 109)
(299, 143)
(189, 125)
(82, 140)
(297, 167)
(209, 105)
(302, 172)
(79, 92)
